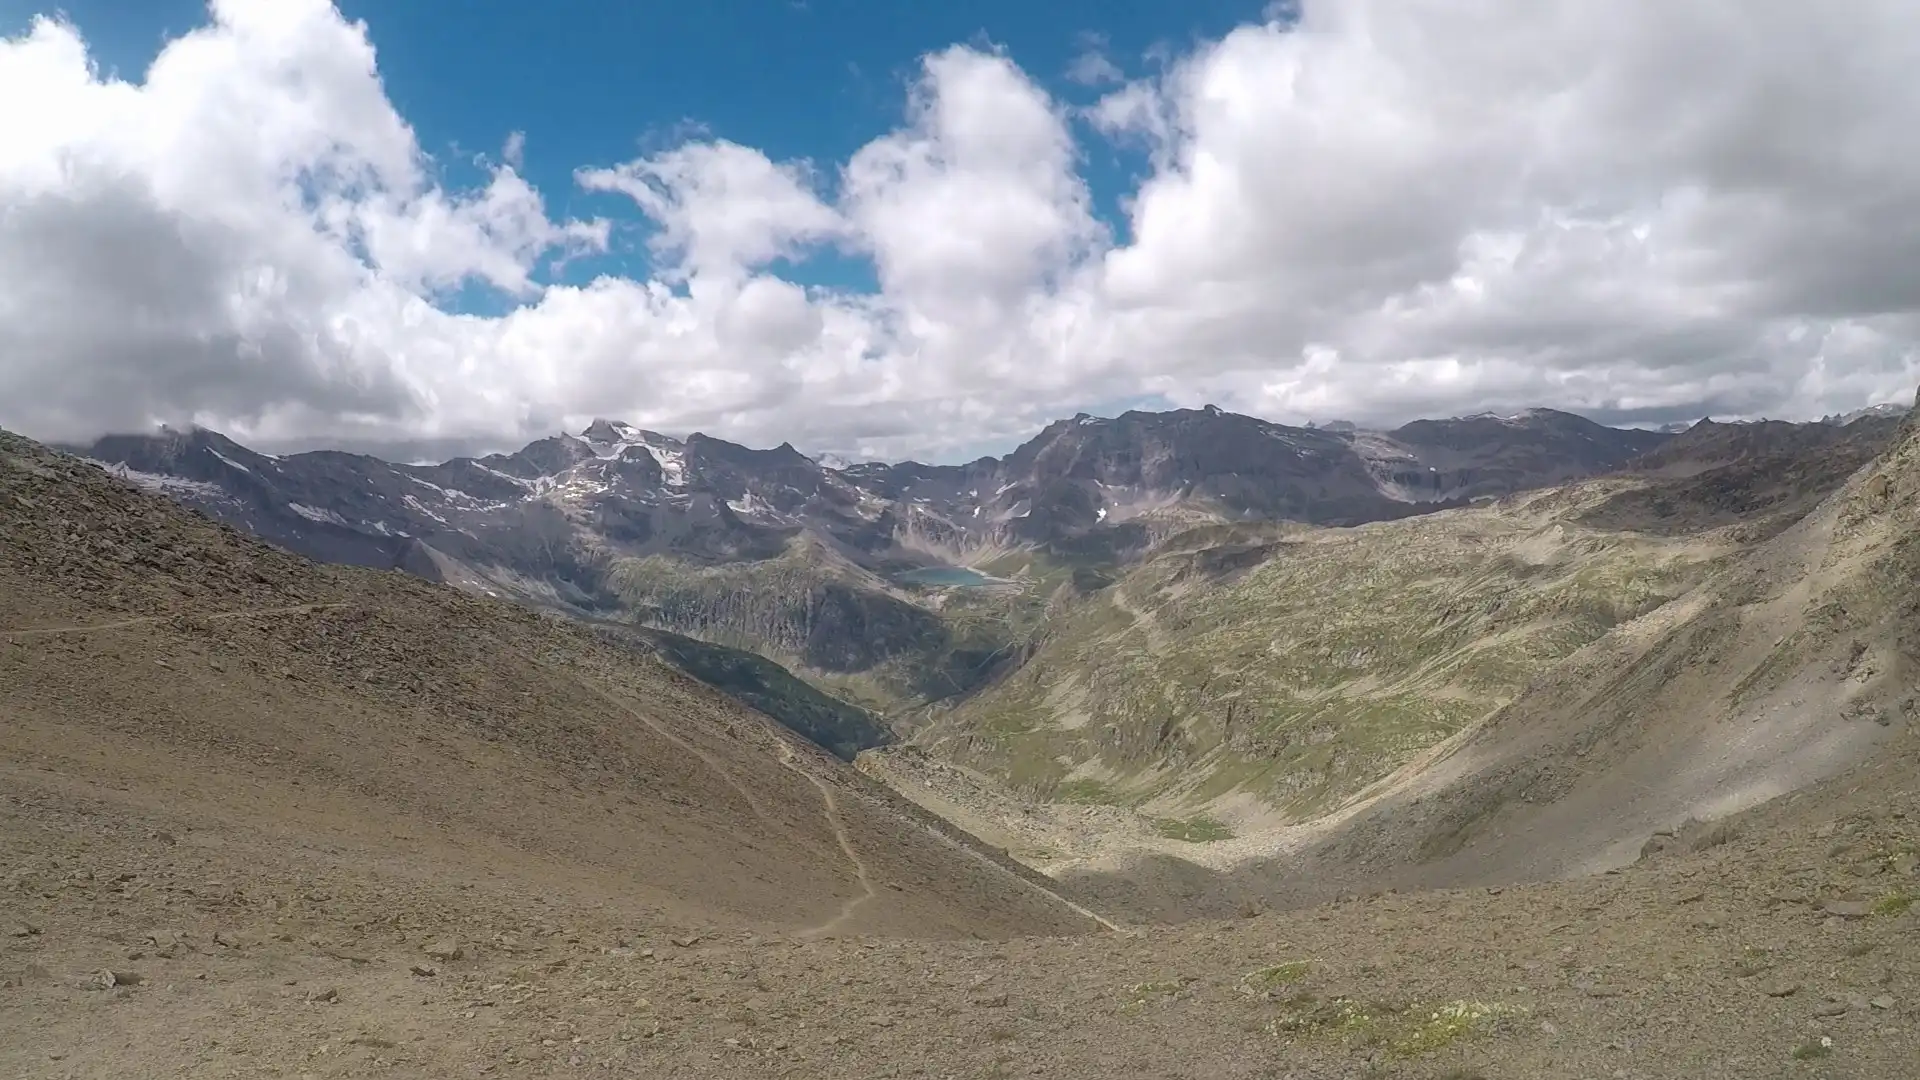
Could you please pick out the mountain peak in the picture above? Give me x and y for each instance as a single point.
(603, 430)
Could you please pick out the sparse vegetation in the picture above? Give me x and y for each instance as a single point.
(1814, 1049)
(1162, 986)
(1278, 975)
(1194, 830)
(1753, 961)
(1339, 1017)
(1083, 791)
(1328, 660)
(1404, 1031)
(1447, 1024)
(1894, 903)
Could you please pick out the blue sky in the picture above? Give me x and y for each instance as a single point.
(1372, 210)
(596, 82)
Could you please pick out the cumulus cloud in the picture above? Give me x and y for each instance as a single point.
(722, 208)
(1368, 209)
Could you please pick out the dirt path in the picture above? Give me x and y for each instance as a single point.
(1156, 645)
(148, 620)
(831, 807)
(830, 802)
(712, 764)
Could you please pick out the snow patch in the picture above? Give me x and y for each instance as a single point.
(419, 506)
(229, 461)
(161, 482)
(667, 453)
(835, 462)
(503, 476)
(673, 464)
(452, 494)
(315, 513)
(749, 504)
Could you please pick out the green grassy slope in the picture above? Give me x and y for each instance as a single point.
(1298, 665)
(884, 646)
(842, 728)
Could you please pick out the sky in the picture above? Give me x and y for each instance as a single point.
(889, 230)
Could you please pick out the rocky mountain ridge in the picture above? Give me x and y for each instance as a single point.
(702, 497)
(816, 567)
(812, 566)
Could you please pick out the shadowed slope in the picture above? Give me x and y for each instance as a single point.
(155, 659)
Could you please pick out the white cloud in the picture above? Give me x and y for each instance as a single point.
(1369, 209)
(1093, 67)
(722, 208)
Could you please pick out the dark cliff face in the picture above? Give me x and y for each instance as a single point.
(231, 483)
(1481, 456)
(1334, 475)
(1707, 444)
(1252, 465)
(1762, 475)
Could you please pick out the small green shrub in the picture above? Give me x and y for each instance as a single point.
(1194, 830)
(1277, 975)
(1896, 903)
(1814, 1049)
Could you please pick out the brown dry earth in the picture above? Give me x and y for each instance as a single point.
(261, 818)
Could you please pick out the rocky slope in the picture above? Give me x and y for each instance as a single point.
(811, 566)
(1789, 662)
(1761, 476)
(1296, 666)
(1246, 679)
(147, 647)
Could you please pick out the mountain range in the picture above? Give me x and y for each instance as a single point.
(845, 574)
(616, 491)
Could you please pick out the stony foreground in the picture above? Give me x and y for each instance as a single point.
(142, 945)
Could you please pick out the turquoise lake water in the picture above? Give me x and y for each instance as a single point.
(945, 576)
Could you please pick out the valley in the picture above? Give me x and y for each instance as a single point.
(1162, 631)
(1618, 768)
